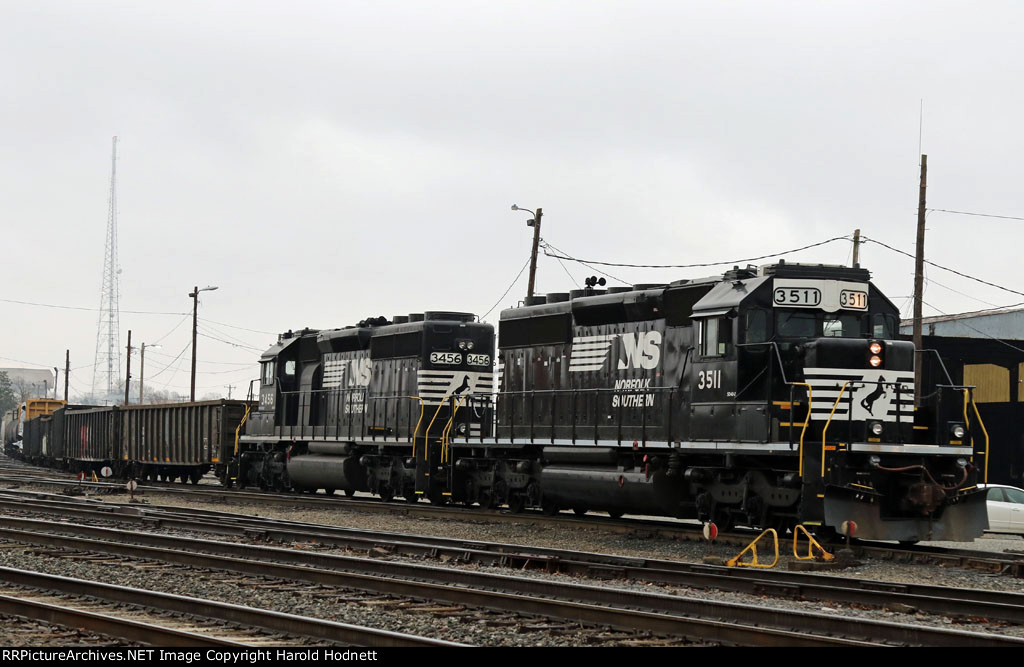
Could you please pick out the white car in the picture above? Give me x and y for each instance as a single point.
(1005, 508)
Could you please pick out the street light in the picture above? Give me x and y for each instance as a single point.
(535, 223)
(194, 295)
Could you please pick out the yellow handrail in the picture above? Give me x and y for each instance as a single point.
(810, 406)
(426, 434)
(446, 433)
(416, 431)
(238, 429)
(983, 430)
(824, 431)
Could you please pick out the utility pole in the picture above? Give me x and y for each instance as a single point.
(142, 369)
(856, 248)
(128, 368)
(230, 387)
(919, 282)
(195, 295)
(56, 376)
(195, 317)
(535, 223)
(67, 372)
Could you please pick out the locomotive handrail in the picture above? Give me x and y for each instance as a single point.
(807, 420)
(969, 398)
(446, 433)
(778, 356)
(595, 392)
(238, 429)
(416, 430)
(984, 430)
(824, 431)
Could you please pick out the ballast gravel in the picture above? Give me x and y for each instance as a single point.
(490, 628)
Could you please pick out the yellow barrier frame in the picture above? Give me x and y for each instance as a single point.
(811, 544)
(752, 548)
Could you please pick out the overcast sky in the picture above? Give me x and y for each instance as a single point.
(321, 162)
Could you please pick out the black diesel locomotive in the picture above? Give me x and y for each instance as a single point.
(767, 397)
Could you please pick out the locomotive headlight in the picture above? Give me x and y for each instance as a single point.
(876, 428)
(462, 345)
(874, 460)
(469, 345)
(958, 431)
(962, 462)
(875, 347)
(875, 361)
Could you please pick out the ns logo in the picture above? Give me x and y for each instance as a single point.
(641, 350)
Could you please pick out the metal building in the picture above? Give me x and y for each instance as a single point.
(986, 349)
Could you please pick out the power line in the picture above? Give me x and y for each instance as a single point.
(154, 375)
(93, 310)
(980, 215)
(694, 266)
(603, 273)
(945, 268)
(232, 326)
(227, 342)
(514, 281)
(998, 340)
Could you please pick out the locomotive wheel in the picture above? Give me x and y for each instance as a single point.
(579, 511)
(615, 514)
(548, 507)
(195, 477)
(350, 492)
(327, 492)
(386, 494)
(411, 497)
(516, 503)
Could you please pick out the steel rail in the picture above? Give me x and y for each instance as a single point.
(999, 605)
(265, 619)
(619, 608)
(996, 562)
(122, 628)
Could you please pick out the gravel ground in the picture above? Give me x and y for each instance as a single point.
(342, 605)
(638, 545)
(17, 631)
(498, 629)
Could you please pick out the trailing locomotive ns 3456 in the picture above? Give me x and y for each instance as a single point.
(766, 397)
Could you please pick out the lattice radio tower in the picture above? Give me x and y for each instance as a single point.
(106, 375)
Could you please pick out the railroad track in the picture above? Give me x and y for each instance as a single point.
(659, 614)
(1012, 564)
(1007, 607)
(172, 620)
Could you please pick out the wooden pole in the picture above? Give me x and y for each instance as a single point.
(919, 281)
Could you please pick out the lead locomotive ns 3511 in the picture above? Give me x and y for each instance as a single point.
(767, 397)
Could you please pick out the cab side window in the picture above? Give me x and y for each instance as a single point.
(267, 378)
(757, 326)
(715, 336)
